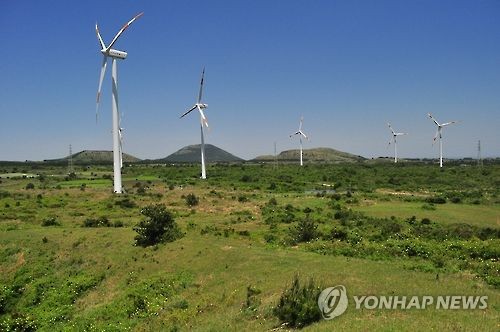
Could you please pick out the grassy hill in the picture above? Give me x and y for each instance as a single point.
(93, 156)
(192, 154)
(320, 155)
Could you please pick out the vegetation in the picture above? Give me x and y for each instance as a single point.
(159, 226)
(298, 305)
(376, 228)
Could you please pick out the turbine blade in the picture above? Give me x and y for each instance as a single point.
(101, 78)
(448, 123)
(201, 85)
(204, 120)
(436, 136)
(390, 128)
(122, 30)
(189, 111)
(103, 46)
(304, 135)
(430, 116)
(300, 125)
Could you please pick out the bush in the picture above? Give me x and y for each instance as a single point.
(159, 226)
(30, 186)
(304, 231)
(252, 301)
(298, 306)
(338, 234)
(191, 200)
(51, 221)
(99, 222)
(272, 202)
(436, 200)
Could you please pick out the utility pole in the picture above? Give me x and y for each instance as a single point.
(70, 161)
(479, 159)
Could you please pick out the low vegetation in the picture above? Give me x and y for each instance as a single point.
(159, 226)
(179, 253)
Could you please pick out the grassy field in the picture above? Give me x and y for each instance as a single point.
(406, 230)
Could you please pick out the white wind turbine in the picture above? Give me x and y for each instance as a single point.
(301, 134)
(203, 122)
(394, 135)
(109, 52)
(438, 133)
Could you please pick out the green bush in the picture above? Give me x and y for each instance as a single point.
(99, 222)
(159, 226)
(191, 200)
(51, 221)
(304, 231)
(298, 306)
(436, 200)
(338, 234)
(30, 186)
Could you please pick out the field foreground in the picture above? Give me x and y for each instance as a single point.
(378, 230)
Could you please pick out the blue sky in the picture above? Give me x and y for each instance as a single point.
(347, 66)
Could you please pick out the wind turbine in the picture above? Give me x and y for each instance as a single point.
(394, 135)
(438, 133)
(301, 134)
(109, 52)
(203, 122)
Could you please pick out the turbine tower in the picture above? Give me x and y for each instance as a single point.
(301, 134)
(394, 135)
(438, 133)
(109, 52)
(203, 122)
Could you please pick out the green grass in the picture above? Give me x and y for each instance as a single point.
(479, 215)
(69, 277)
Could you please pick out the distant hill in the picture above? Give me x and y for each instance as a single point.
(93, 156)
(319, 155)
(192, 154)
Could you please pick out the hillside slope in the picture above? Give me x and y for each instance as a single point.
(93, 156)
(192, 154)
(326, 155)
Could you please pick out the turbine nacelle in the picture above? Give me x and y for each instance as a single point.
(114, 53)
(202, 106)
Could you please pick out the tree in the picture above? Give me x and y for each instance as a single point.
(159, 226)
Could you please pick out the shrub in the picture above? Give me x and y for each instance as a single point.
(270, 238)
(99, 222)
(30, 186)
(298, 305)
(338, 234)
(425, 221)
(304, 231)
(436, 200)
(118, 223)
(252, 301)
(191, 200)
(51, 221)
(246, 178)
(159, 226)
